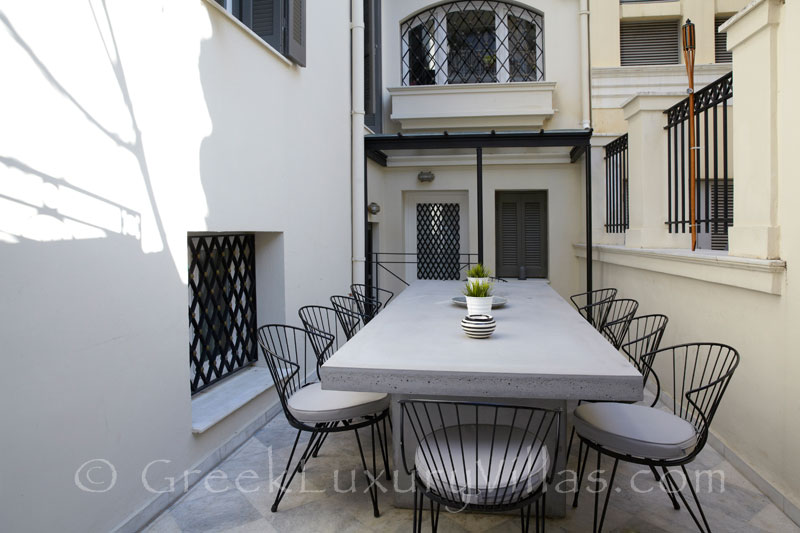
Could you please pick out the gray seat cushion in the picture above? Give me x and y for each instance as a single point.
(636, 430)
(502, 477)
(312, 404)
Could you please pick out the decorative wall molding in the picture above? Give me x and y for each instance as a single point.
(762, 275)
(613, 86)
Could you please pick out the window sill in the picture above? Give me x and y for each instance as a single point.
(253, 35)
(218, 402)
(762, 275)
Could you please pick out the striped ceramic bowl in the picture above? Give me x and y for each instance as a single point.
(478, 326)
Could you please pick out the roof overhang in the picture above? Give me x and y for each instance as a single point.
(376, 144)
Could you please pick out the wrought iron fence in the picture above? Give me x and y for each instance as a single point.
(473, 41)
(617, 185)
(441, 266)
(222, 307)
(714, 184)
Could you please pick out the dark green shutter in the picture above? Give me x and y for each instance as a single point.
(521, 233)
(372, 65)
(267, 22)
(296, 32)
(721, 53)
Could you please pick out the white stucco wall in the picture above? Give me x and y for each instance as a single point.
(170, 117)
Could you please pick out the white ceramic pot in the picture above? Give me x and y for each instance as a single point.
(479, 306)
(473, 280)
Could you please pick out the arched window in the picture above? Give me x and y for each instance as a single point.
(473, 42)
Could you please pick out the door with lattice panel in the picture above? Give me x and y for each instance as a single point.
(436, 235)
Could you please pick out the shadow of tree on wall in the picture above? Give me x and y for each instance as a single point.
(135, 148)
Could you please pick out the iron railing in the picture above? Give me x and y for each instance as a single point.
(222, 307)
(472, 41)
(451, 266)
(714, 185)
(617, 185)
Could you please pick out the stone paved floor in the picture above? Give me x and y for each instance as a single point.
(237, 498)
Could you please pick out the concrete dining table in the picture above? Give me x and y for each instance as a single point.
(543, 353)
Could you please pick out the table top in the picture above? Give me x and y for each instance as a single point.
(542, 348)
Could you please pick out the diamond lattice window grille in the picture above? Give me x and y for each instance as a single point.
(222, 307)
(472, 41)
(438, 241)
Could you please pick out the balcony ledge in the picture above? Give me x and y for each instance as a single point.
(473, 105)
(762, 275)
(223, 399)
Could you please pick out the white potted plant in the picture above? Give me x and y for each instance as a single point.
(479, 298)
(478, 273)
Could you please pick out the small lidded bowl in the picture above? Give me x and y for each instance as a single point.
(478, 326)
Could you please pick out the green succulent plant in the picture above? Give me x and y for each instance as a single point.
(479, 271)
(478, 289)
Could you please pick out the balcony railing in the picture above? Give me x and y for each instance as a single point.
(714, 184)
(470, 41)
(426, 265)
(617, 185)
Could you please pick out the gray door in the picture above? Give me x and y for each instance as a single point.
(521, 227)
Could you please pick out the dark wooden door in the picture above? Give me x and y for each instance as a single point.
(521, 233)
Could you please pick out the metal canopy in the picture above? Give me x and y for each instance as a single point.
(494, 139)
(376, 144)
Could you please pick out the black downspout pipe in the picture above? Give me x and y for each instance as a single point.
(367, 260)
(479, 152)
(588, 216)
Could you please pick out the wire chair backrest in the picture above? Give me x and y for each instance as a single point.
(699, 375)
(480, 454)
(618, 318)
(291, 358)
(348, 311)
(643, 337)
(596, 313)
(583, 299)
(366, 295)
(323, 319)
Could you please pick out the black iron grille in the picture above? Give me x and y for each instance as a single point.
(222, 307)
(473, 41)
(617, 185)
(714, 209)
(438, 241)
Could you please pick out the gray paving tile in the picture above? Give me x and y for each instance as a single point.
(314, 503)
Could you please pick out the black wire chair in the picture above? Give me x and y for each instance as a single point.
(325, 319)
(350, 314)
(700, 374)
(619, 314)
(593, 305)
(642, 338)
(366, 295)
(309, 408)
(481, 457)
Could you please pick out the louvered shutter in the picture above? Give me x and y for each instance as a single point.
(721, 53)
(521, 233)
(507, 239)
(296, 32)
(267, 21)
(650, 43)
(534, 257)
(719, 238)
(372, 65)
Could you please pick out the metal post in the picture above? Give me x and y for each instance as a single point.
(367, 233)
(588, 156)
(479, 152)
